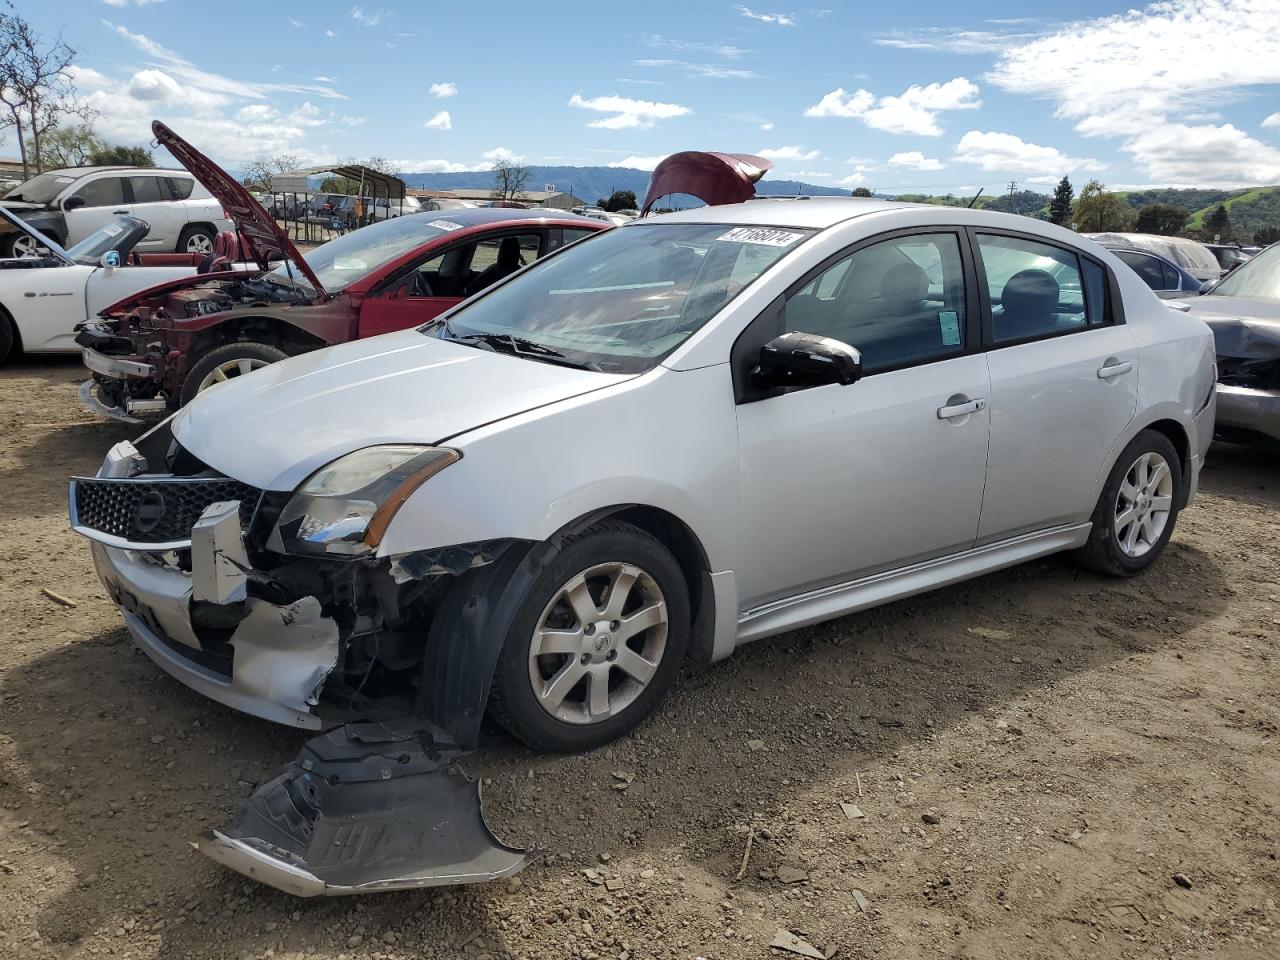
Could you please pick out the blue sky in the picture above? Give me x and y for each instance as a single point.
(923, 96)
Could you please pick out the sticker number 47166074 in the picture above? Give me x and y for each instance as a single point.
(765, 236)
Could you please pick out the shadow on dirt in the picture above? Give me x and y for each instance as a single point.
(119, 766)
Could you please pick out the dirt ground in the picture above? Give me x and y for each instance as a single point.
(1036, 755)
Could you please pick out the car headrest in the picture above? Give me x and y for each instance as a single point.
(1030, 292)
(904, 282)
(509, 253)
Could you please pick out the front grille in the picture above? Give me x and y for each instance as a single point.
(155, 511)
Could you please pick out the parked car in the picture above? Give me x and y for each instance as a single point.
(651, 447)
(447, 203)
(1228, 255)
(1243, 311)
(43, 298)
(69, 204)
(372, 210)
(181, 338)
(1169, 280)
(1192, 256)
(323, 205)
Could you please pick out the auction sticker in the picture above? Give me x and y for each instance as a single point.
(764, 236)
(445, 225)
(111, 230)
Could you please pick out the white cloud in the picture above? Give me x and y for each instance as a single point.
(714, 71)
(256, 113)
(368, 18)
(914, 111)
(725, 50)
(1044, 181)
(1006, 153)
(915, 160)
(1273, 120)
(502, 153)
(125, 3)
(330, 34)
(627, 114)
(856, 178)
(441, 121)
(442, 90)
(948, 40)
(296, 23)
(1126, 76)
(640, 163)
(766, 127)
(307, 115)
(323, 79)
(440, 166)
(788, 153)
(780, 19)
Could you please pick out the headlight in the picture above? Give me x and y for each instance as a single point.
(345, 507)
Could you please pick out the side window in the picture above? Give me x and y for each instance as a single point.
(1171, 279)
(180, 187)
(502, 253)
(1095, 293)
(566, 236)
(898, 302)
(1036, 289)
(103, 192)
(1149, 269)
(148, 189)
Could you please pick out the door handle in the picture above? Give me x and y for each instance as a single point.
(953, 410)
(1110, 369)
(115, 212)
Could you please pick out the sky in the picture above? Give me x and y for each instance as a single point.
(925, 96)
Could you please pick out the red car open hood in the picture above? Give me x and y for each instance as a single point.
(258, 230)
(713, 178)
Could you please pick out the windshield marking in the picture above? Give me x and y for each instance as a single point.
(763, 236)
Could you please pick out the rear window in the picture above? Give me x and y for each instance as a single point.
(181, 187)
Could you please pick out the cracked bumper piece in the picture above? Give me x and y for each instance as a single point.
(272, 666)
(365, 808)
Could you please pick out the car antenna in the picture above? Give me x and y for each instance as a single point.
(976, 196)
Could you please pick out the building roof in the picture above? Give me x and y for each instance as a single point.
(526, 196)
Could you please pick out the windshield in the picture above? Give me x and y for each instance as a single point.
(41, 189)
(624, 299)
(89, 251)
(346, 259)
(1259, 279)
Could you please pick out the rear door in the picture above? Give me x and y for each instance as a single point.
(153, 201)
(1064, 380)
(444, 279)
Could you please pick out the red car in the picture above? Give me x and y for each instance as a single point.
(155, 351)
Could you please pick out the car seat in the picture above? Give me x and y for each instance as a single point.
(225, 247)
(1030, 305)
(507, 264)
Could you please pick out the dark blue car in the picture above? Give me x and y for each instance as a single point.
(1161, 274)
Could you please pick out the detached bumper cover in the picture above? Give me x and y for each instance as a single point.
(1247, 408)
(365, 808)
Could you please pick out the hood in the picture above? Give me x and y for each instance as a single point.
(258, 230)
(277, 426)
(1248, 329)
(23, 205)
(12, 222)
(714, 178)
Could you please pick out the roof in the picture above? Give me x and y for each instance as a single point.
(817, 212)
(85, 171)
(473, 216)
(384, 184)
(486, 193)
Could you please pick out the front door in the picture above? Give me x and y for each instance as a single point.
(427, 289)
(1064, 383)
(840, 482)
(104, 200)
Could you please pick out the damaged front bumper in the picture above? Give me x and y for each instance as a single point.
(1248, 412)
(376, 804)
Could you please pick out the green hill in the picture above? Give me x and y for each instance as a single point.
(1250, 210)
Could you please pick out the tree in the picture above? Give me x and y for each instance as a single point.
(859, 192)
(509, 179)
(35, 87)
(1217, 226)
(121, 156)
(263, 171)
(1266, 236)
(620, 200)
(1165, 219)
(71, 146)
(1060, 205)
(1097, 210)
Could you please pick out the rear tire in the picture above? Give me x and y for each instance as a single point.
(196, 240)
(20, 245)
(1137, 509)
(629, 667)
(230, 360)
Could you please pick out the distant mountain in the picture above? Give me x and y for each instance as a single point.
(596, 183)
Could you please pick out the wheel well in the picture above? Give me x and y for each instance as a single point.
(268, 330)
(197, 225)
(1182, 446)
(7, 318)
(674, 534)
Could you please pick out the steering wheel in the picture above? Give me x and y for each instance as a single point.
(421, 286)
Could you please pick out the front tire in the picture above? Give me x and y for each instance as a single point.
(597, 642)
(227, 362)
(1138, 508)
(196, 240)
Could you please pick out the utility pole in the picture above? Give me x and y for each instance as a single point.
(1013, 187)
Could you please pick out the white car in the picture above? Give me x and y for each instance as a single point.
(69, 204)
(631, 457)
(43, 298)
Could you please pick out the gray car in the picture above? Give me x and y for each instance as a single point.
(1243, 310)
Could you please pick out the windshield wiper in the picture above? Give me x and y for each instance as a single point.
(520, 347)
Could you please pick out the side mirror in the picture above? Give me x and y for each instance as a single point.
(806, 360)
(73, 203)
(110, 260)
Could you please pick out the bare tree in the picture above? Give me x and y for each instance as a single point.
(35, 86)
(383, 165)
(261, 172)
(509, 179)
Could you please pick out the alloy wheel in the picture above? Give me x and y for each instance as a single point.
(229, 370)
(598, 643)
(200, 243)
(25, 246)
(1143, 505)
